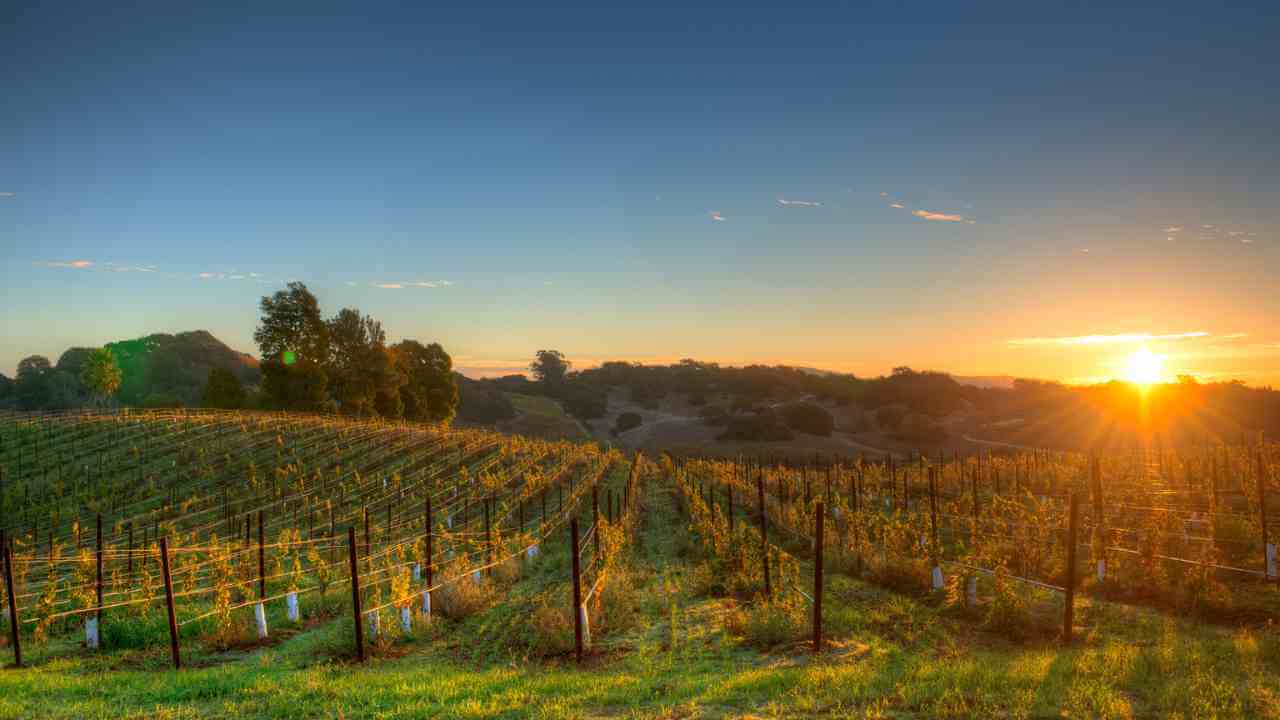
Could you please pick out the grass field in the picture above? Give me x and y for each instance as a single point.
(537, 405)
(892, 656)
(667, 642)
(543, 417)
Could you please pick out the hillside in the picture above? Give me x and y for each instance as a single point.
(175, 365)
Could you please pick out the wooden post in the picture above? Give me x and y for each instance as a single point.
(168, 601)
(367, 544)
(817, 579)
(595, 524)
(488, 541)
(14, 626)
(99, 564)
(974, 485)
(764, 538)
(730, 511)
(577, 589)
(1268, 550)
(933, 512)
(1068, 611)
(129, 560)
(429, 559)
(355, 592)
(262, 561)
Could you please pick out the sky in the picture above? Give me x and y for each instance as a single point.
(978, 188)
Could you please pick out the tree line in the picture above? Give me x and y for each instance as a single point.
(342, 364)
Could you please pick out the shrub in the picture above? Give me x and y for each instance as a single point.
(619, 605)
(766, 625)
(762, 427)
(552, 630)
(627, 421)
(462, 598)
(920, 428)
(507, 572)
(808, 418)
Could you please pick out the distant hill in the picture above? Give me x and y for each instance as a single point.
(1004, 382)
(166, 368)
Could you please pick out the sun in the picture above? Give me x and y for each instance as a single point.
(1144, 367)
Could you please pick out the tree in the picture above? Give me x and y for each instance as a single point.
(362, 376)
(32, 384)
(65, 391)
(549, 367)
(101, 375)
(223, 390)
(430, 391)
(626, 421)
(294, 341)
(808, 418)
(300, 386)
(291, 329)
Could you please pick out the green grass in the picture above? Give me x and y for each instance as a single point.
(537, 405)
(890, 656)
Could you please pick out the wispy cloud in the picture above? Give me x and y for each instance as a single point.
(76, 264)
(715, 215)
(1173, 229)
(798, 203)
(941, 217)
(1108, 339)
(402, 284)
(7, 195)
(351, 283)
(898, 205)
(117, 267)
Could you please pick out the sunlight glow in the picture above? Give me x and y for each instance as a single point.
(1144, 367)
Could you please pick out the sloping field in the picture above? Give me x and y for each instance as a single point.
(459, 548)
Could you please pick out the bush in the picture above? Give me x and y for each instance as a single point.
(552, 630)
(766, 625)
(627, 421)
(762, 427)
(462, 598)
(916, 427)
(808, 418)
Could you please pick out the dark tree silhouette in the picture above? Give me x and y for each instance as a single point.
(549, 367)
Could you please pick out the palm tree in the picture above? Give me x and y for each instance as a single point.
(101, 375)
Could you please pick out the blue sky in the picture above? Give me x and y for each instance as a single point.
(657, 182)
